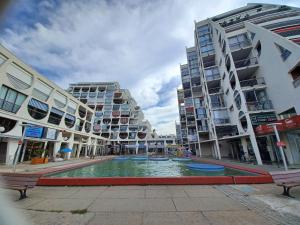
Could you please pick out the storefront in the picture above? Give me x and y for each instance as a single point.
(289, 130)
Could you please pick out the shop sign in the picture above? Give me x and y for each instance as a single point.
(51, 134)
(34, 132)
(262, 118)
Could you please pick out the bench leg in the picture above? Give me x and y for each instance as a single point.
(286, 192)
(22, 194)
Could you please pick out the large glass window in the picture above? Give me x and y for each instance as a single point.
(11, 100)
(37, 109)
(212, 73)
(237, 99)
(55, 116)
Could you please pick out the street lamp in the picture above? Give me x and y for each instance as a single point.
(273, 125)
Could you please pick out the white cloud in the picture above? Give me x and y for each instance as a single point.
(138, 43)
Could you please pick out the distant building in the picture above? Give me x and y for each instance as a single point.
(242, 74)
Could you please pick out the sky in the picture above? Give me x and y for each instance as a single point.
(138, 43)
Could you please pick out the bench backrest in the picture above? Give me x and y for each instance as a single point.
(29, 180)
(291, 176)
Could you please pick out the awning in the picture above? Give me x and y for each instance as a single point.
(283, 125)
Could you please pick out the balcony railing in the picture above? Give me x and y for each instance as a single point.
(217, 105)
(203, 128)
(239, 45)
(245, 62)
(191, 123)
(252, 82)
(209, 64)
(215, 90)
(219, 121)
(263, 105)
(213, 77)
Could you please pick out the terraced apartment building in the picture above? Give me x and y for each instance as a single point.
(117, 115)
(242, 74)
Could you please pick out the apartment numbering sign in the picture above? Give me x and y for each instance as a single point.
(262, 118)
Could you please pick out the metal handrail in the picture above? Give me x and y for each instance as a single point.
(240, 44)
(252, 82)
(245, 62)
(213, 77)
(215, 90)
(259, 105)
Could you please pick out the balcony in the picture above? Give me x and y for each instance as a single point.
(245, 62)
(240, 45)
(202, 128)
(209, 63)
(213, 77)
(258, 106)
(216, 105)
(221, 121)
(191, 123)
(252, 82)
(217, 90)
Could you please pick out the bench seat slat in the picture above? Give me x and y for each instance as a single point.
(287, 180)
(286, 175)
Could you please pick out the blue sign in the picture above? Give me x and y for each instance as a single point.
(35, 132)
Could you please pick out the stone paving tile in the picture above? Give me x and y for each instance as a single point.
(131, 187)
(63, 218)
(62, 204)
(204, 192)
(156, 187)
(201, 204)
(90, 193)
(168, 218)
(161, 193)
(246, 217)
(52, 194)
(117, 219)
(123, 194)
(27, 202)
(193, 218)
(132, 205)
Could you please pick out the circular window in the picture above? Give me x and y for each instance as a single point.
(87, 127)
(232, 80)
(243, 120)
(6, 124)
(237, 99)
(37, 109)
(227, 63)
(69, 120)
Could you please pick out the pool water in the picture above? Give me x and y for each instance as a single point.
(148, 168)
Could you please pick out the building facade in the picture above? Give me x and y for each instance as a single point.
(45, 115)
(242, 74)
(117, 116)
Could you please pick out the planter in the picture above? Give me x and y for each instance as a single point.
(37, 160)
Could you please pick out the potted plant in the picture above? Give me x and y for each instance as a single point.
(39, 156)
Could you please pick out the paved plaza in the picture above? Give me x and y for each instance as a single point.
(158, 205)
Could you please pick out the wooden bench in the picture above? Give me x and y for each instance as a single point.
(19, 182)
(286, 179)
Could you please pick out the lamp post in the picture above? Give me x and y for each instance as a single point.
(273, 125)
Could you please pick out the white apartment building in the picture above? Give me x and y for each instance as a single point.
(46, 115)
(118, 116)
(242, 74)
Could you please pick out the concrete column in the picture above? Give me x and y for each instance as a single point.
(56, 148)
(245, 147)
(94, 150)
(255, 149)
(86, 150)
(199, 152)
(218, 154)
(69, 145)
(79, 150)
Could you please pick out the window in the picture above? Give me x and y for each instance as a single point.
(237, 99)
(87, 127)
(79, 124)
(295, 73)
(252, 35)
(232, 80)
(8, 124)
(284, 53)
(55, 116)
(258, 48)
(82, 111)
(37, 110)
(228, 63)
(238, 41)
(11, 100)
(69, 120)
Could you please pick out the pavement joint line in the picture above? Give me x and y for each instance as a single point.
(206, 217)
(174, 205)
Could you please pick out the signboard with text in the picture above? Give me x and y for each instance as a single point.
(34, 132)
(262, 118)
